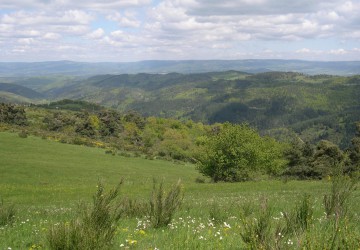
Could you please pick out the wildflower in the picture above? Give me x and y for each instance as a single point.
(132, 242)
(226, 225)
(142, 232)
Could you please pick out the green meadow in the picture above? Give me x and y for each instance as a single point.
(46, 180)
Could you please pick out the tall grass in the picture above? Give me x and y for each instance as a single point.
(94, 228)
(7, 214)
(163, 204)
(257, 232)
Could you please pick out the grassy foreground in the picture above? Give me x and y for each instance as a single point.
(46, 180)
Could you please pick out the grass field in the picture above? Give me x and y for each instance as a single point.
(46, 180)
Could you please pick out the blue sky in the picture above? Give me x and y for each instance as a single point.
(133, 30)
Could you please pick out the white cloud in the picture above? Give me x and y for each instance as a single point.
(52, 36)
(338, 52)
(303, 50)
(184, 29)
(127, 20)
(70, 4)
(97, 34)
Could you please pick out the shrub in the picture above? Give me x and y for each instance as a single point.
(257, 232)
(217, 213)
(163, 204)
(7, 214)
(238, 153)
(200, 179)
(336, 203)
(93, 228)
(300, 218)
(23, 134)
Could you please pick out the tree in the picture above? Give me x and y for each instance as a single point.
(299, 156)
(238, 153)
(327, 158)
(12, 114)
(355, 151)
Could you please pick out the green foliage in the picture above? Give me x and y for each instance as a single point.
(355, 151)
(217, 213)
(12, 114)
(299, 220)
(74, 105)
(23, 134)
(93, 228)
(257, 233)
(306, 162)
(337, 202)
(163, 204)
(238, 152)
(109, 123)
(51, 199)
(133, 208)
(326, 159)
(7, 214)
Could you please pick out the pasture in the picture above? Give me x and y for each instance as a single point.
(46, 180)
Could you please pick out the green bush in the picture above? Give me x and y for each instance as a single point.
(336, 203)
(257, 232)
(93, 228)
(163, 204)
(23, 134)
(217, 213)
(239, 153)
(299, 220)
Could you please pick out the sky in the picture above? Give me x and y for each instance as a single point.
(135, 30)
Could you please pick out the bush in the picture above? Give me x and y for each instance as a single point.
(200, 179)
(217, 213)
(238, 153)
(7, 214)
(23, 134)
(93, 228)
(163, 204)
(300, 218)
(336, 203)
(257, 233)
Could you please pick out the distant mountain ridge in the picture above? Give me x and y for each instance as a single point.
(316, 107)
(20, 91)
(71, 68)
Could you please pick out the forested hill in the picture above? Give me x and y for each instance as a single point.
(276, 103)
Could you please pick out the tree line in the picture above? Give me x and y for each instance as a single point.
(222, 151)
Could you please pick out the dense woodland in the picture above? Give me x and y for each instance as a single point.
(222, 151)
(280, 104)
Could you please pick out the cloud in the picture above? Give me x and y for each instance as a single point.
(127, 20)
(255, 7)
(69, 4)
(96, 34)
(179, 29)
(338, 52)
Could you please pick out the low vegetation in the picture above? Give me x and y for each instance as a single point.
(266, 214)
(7, 214)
